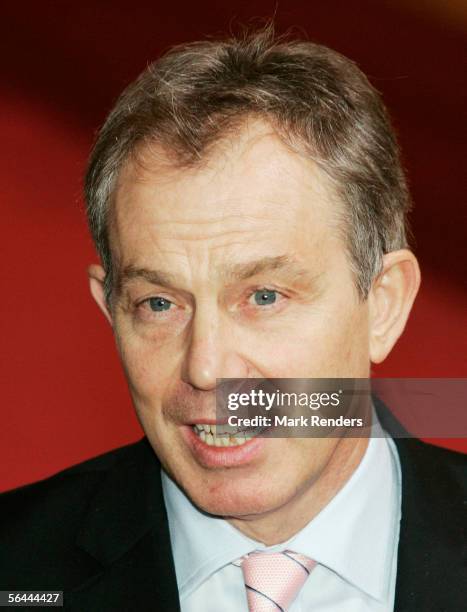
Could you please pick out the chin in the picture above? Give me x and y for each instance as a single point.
(234, 500)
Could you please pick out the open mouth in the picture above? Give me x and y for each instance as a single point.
(225, 436)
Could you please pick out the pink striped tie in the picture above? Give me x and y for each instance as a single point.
(273, 580)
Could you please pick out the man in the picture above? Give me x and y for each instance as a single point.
(248, 204)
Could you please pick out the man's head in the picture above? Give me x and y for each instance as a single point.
(249, 207)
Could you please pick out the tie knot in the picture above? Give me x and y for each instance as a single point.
(273, 580)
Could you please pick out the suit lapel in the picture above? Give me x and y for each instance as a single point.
(126, 531)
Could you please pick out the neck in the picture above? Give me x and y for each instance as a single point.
(282, 523)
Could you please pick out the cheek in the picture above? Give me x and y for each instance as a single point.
(348, 344)
(146, 365)
(327, 343)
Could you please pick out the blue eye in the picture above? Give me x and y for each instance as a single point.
(159, 304)
(263, 297)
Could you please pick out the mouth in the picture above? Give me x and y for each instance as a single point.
(223, 436)
(214, 445)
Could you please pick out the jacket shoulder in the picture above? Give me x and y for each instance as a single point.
(88, 470)
(39, 521)
(435, 466)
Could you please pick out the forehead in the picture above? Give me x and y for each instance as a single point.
(250, 187)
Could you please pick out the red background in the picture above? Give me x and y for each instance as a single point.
(64, 397)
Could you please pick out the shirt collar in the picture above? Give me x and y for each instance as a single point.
(354, 535)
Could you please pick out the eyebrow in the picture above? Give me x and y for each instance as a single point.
(283, 264)
(155, 277)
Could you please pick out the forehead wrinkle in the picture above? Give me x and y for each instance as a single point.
(280, 263)
(231, 272)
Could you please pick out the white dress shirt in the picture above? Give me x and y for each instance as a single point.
(354, 540)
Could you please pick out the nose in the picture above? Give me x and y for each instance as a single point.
(212, 350)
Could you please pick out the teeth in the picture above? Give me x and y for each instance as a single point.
(208, 434)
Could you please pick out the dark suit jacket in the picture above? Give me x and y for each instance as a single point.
(99, 532)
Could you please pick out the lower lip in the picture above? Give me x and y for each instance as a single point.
(222, 456)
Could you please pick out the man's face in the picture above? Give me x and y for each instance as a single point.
(232, 269)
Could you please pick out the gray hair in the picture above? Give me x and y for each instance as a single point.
(316, 99)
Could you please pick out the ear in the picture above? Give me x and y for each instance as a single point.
(96, 276)
(390, 301)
